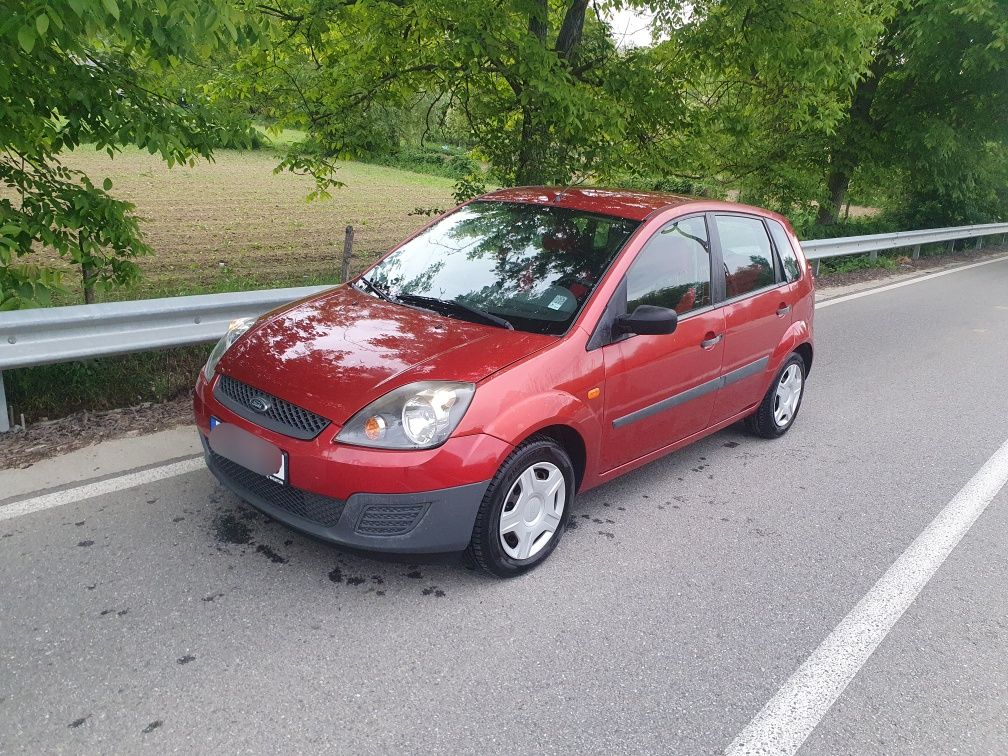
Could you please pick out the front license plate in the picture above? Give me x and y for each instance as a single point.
(248, 450)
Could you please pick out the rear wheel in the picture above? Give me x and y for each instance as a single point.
(525, 509)
(780, 406)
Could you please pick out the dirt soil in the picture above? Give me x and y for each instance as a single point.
(907, 265)
(23, 447)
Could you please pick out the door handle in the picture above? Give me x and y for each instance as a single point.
(783, 310)
(711, 341)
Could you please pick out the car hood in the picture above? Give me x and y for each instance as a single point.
(338, 351)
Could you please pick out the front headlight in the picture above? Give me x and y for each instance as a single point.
(419, 416)
(235, 330)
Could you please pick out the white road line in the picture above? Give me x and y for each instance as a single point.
(889, 287)
(100, 488)
(801, 703)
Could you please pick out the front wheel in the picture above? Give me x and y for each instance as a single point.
(525, 509)
(780, 406)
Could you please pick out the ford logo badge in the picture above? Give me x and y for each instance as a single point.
(260, 404)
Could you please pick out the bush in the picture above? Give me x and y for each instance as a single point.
(445, 160)
(671, 184)
(106, 383)
(807, 228)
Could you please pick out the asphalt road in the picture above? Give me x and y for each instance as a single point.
(171, 617)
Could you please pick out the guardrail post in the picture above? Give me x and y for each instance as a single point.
(873, 255)
(979, 244)
(951, 247)
(816, 268)
(4, 423)
(916, 252)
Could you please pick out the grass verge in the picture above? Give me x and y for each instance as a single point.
(51, 391)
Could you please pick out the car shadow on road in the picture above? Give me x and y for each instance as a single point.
(237, 529)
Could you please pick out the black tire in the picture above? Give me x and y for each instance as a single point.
(762, 422)
(485, 548)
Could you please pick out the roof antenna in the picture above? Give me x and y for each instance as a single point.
(560, 195)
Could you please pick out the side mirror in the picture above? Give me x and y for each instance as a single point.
(647, 320)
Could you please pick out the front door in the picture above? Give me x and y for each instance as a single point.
(757, 311)
(661, 389)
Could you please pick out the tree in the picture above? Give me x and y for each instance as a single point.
(931, 111)
(545, 92)
(90, 72)
(764, 84)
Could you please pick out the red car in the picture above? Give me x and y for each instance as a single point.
(528, 345)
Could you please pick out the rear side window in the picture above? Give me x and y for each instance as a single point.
(673, 269)
(792, 271)
(747, 254)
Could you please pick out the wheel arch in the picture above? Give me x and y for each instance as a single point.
(804, 351)
(571, 441)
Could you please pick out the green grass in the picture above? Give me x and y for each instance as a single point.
(52, 391)
(848, 264)
(280, 138)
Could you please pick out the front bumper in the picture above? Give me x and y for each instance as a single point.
(412, 523)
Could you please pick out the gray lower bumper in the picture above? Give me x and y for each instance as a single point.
(427, 522)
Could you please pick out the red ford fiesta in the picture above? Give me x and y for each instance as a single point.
(528, 345)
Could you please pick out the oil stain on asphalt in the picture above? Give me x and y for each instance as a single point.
(229, 529)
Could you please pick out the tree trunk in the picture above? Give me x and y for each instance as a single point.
(528, 169)
(847, 152)
(531, 165)
(88, 273)
(572, 28)
(837, 184)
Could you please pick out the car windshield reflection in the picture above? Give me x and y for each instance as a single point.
(533, 266)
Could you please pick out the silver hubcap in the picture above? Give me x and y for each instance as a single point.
(789, 389)
(532, 510)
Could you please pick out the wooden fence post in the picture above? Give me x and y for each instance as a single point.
(347, 254)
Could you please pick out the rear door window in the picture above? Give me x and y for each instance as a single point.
(673, 269)
(792, 270)
(747, 254)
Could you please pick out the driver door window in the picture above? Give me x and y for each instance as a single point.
(673, 269)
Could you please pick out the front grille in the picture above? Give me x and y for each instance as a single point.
(251, 485)
(282, 416)
(390, 519)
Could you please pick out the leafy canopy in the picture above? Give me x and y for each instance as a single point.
(88, 72)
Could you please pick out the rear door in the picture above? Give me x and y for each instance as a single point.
(660, 389)
(757, 309)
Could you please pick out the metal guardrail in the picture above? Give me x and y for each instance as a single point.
(62, 334)
(818, 249)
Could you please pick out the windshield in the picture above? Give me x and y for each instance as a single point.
(532, 265)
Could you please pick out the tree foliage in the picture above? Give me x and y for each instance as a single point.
(89, 72)
(790, 104)
(930, 114)
(762, 82)
(540, 84)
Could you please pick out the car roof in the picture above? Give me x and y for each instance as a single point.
(622, 203)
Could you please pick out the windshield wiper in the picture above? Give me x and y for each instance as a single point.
(382, 294)
(454, 306)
